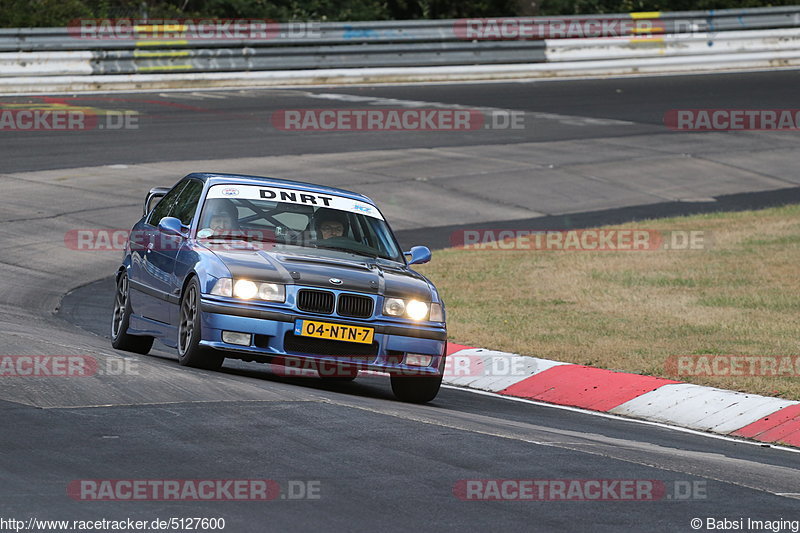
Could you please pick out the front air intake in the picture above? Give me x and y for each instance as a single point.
(355, 306)
(315, 301)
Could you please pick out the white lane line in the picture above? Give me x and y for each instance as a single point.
(531, 80)
(626, 419)
(209, 95)
(396, 102)
(711, 465)
(180, 96)
(194, 95)
(571, 120)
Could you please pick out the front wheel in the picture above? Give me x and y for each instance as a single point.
(416, 389)
(120, 338)
(190, 353)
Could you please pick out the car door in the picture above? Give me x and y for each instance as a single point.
(177, 257)
(149, 282)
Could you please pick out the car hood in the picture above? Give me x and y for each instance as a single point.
(316, 271)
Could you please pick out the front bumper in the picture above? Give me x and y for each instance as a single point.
(273, 339)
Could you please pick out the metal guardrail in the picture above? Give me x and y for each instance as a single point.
(35, 52)
(340, 33)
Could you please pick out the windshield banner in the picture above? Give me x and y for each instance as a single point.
(292, 196)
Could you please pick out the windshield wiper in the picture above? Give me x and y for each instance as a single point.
(350, 251)
(234, 237)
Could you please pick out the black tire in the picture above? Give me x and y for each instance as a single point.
(190, 353)
(416, 389)
(120, 318)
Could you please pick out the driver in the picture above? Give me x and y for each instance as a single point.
(330, 223)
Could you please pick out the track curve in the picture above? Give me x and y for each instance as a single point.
(379, 463)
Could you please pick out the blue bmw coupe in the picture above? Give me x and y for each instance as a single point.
(281, 272)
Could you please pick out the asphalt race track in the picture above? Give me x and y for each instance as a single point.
(348, 457)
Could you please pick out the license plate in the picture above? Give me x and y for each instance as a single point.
(336, 332)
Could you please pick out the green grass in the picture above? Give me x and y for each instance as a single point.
(631, 311)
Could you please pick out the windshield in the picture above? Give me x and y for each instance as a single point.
(296, 219)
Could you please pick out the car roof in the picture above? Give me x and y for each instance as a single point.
(215, 178)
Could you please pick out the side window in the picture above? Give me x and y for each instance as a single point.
(186, 203)
(164, 207)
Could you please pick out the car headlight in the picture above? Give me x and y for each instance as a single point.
(245, 289)
(394, 307)
(416, 310)
(272, 292)
(413, 309)
(249, 290)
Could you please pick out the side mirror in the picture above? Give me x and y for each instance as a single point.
(153, 197)
(419, 255)
(172, 226)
